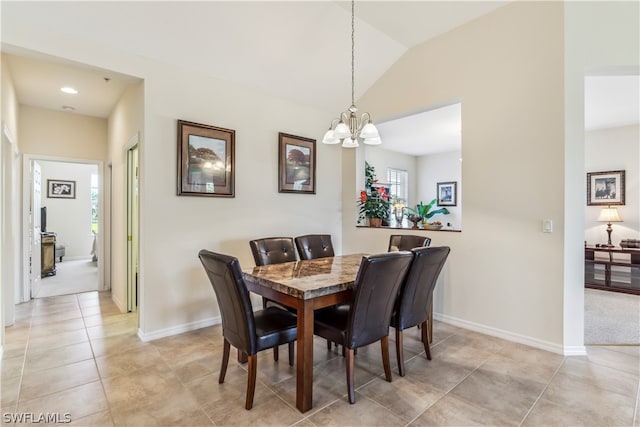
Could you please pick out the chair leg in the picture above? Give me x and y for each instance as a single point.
(251, 380)
(400, 351)
(425, 340)
(225, 360)
(384, 344)
(276, 353)
(350, 374)
(430, 320)
(291, 353)
(328, 345)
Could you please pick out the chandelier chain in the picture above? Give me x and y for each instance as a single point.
(353, 56)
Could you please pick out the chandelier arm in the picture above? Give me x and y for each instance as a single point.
(364, 119)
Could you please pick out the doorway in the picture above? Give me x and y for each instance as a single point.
(71, 220)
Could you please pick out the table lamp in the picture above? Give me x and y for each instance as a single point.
(609, 215)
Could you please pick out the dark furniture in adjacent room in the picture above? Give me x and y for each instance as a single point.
(47, 254)
(612, 269)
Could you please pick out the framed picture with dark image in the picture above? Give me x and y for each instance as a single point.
(296, 164)
(58, 189)
(206, 160)
(605, 188)
(447, 193)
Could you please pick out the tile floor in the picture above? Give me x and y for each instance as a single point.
(78, 354)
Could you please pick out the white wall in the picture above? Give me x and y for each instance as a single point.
(70, 219)
(441, 167)
(506, 70)
(609, 150)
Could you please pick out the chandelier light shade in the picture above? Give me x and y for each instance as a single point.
(609, 215)
(348, 128)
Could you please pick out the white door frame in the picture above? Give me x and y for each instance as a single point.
(132, 153)
(26, 179)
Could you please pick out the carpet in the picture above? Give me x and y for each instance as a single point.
(71, 277)
(611, 317)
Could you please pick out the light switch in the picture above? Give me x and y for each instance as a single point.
(547, 226)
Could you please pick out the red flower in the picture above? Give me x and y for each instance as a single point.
(363, 196)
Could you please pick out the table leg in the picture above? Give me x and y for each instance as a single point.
(304, 366)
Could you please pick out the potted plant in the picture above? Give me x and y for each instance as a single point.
(374, 203)
(426, 212)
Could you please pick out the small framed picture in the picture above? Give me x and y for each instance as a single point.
(206, 160)
(447, 194)
(58, 189)
(605, 188)
(296, 164)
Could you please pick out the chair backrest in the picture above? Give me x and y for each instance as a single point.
(406, 242)
(238, 323)
(273, 250)
(417, 289)
(312, 246)
(375, 291)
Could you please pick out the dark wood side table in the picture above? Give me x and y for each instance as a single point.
(48, 254)
(612, 269)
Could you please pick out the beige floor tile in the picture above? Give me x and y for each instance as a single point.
(46, 309)
(405, 397)
(504, 386)
(123, 326)
(268, 410)
(614, 359)
(104, 308)
(11, 367)
(40, 383)
(141, 388)
(364, 412)
(105, 319)
(548, 413)
(172, 410)
(9, 389)
(39, 359)
(207, 364)
(179, 352)
(599, 376)
(451, 411)
(129, 361)
(46, 329)
(56, 317)
(99, 419)
(58, 340)
(586, 401)
(78, 402)
(208, 392)
(117, 344)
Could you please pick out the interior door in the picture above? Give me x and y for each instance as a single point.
(132, 228)
(34, 229)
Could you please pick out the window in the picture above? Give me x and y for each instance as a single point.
(397, 179)
(94, 203)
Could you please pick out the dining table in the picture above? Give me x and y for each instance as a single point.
(305, 285)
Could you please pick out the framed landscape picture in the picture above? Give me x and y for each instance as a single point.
(605, 188)
(447, 193)
(206, 160)
(58, 189)
(296, 164)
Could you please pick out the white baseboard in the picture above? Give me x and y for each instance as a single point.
(179, 329)
(510, 336)
(121, 306)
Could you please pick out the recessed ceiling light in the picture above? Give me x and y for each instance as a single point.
(69, 90)
(68, 108)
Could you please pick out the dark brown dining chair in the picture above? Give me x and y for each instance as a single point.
(406, 242)
(273, 250)
(367, 318)
(415, 297)
(312, 246)
(247, 331)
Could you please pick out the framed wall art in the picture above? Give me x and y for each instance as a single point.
(58, 189)
(296, 164)
(605, 188)
(447, 193)
(206, 160)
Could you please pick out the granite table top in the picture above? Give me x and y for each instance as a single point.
(308, 279)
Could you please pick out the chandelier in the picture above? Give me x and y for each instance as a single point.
(348, 127)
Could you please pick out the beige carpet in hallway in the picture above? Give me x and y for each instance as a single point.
(611, 318)
(71, 277)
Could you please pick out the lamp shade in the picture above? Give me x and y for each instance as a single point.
(609, 215)
(342, 131)
(330, 138)
(369, 131)
(350, 143)
(373, 141)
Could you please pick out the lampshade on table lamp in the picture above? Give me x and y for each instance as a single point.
(609, 215)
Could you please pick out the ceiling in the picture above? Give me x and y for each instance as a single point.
(299, 51)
